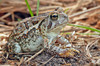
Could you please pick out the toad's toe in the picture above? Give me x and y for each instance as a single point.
(69, 53)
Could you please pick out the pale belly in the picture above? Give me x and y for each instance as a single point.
(33, 45)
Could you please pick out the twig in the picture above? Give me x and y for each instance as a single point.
(13, 19)
(47, 61)
(79, 13)
(98, 57)
(6, 15)
(35, 55)
(8, 22)
(18, 17)
(87, 47)
(5, 30)
(64, 61)
(21, 61)
(4, 20)
(50, 2)
(5, 26)
(79, 3)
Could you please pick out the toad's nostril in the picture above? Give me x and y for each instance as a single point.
(66, 16)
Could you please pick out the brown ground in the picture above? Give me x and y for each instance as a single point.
(86, 41)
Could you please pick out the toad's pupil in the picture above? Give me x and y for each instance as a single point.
(54, 17)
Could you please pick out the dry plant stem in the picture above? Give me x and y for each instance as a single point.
(7, 22)
(5, 26)
(51, 8)
(21, 61)
(5, 30)
(98, 57)
(13, 19)
(89, 46)
(87, 3)
(18, 17)
(23, 53)
(47, 61)
(3, 10)
(47, 8)
(64, 61)
(4, 20)
(6, 15)
(50, 2)
(35, 55)
(77, 14)
(79, 4)
(98, 61)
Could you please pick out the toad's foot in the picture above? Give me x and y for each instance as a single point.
(71, 52)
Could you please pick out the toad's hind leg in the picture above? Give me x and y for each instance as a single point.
(12, 50)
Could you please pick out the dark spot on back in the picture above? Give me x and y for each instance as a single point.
(26, 25)
(32, 31)
(34, 22)
(41, 23)
(19, 38)
(16, 29)
(25, 36)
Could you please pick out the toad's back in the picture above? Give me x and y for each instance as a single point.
(26, 36)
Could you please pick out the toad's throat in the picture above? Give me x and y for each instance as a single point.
(57, 28)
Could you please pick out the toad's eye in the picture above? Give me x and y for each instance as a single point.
(54, 16)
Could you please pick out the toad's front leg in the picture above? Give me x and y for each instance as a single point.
(70, 51)
(62, 47)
